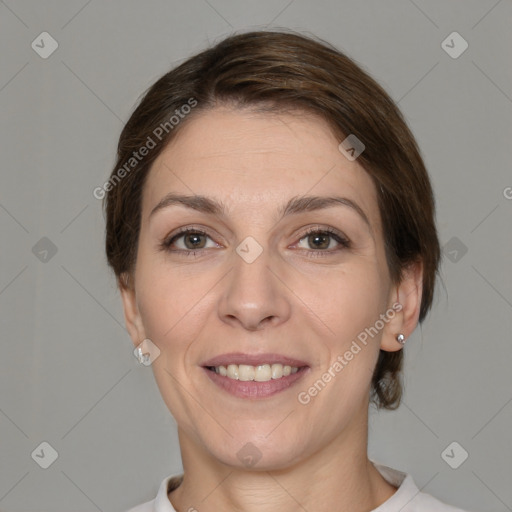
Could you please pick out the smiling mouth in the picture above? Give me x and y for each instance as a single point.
(259, 373)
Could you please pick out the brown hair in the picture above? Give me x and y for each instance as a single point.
(277, 71)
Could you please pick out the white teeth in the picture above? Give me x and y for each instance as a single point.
(260, 373)
(246, 372)
(277, 371)
(232, 371)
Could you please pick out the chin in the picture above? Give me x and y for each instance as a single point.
(256, 453)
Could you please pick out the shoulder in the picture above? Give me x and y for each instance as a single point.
(408, 497)
(161, 502)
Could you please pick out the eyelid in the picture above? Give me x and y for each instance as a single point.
(334, 233)
(340, 237)
(323, 229)
(183, 231)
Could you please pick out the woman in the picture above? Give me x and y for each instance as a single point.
(271, 226)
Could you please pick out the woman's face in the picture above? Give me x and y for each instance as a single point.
(265, 279)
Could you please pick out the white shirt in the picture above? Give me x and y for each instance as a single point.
(407, 497)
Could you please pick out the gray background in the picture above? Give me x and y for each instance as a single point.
(67, 373)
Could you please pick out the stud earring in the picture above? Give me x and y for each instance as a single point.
(142, 357)
(401, 339)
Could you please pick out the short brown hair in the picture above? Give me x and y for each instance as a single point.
(278, 71)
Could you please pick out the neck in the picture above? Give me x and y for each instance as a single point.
(339, 476)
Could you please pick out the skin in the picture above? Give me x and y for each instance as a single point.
(194, 308)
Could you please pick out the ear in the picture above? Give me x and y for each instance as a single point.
(132, 316)
(405, 300)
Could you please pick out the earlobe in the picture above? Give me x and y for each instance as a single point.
(408, 295)
(133, 320)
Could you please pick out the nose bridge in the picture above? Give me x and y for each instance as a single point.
(254, 294)
(250, 264)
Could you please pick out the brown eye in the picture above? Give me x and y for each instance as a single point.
(193, 240)
(187, 241)
(324, 240)
(319, 241)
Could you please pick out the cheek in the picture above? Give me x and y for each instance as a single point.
(350, 299)
(172, 301)
(350, 309)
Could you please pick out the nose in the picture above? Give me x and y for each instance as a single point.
(255, 294)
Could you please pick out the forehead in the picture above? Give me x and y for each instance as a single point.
(257, 160)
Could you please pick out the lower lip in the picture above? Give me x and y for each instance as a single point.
(253, 389)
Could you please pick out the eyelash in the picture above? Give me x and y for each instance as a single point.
(311, 253)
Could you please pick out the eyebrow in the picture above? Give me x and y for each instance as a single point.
(295, 205)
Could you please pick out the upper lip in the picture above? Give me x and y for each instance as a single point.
(253, 360)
